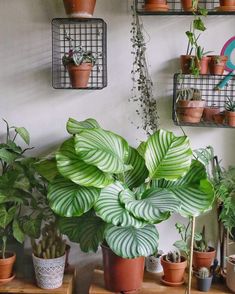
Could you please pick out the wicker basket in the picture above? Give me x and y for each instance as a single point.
(49, 272)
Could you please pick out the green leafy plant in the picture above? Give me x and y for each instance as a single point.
(173, 256)
(184, 232)
(229, 104)
(108, 191)
(200, 243)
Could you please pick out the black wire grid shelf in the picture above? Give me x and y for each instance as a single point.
(91, 34)
(175, 8)
(207, 86)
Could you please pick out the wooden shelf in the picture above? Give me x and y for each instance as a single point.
(152, 285)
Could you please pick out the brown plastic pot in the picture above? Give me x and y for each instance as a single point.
(174, 272)
(187, 5)
(79, 8)
(121, 274)
(185, 63)
(227, 2)
(209, 112)
(79, 74)
(203, 259)
(230, 118)
(217, 64)
(190, 111)
(6, 265)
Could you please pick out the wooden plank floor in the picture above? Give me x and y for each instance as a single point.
(152, 285)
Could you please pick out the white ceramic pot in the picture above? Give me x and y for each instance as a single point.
(153, 264)
(230, 277)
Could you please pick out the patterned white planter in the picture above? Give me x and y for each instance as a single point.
(153, 264)
(49, 272)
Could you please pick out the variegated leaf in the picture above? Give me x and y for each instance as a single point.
(75, 127)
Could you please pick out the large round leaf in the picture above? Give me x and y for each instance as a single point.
(47, 169)
(68, 199)
(72, 167)
(154, 207)
(130, 242)
(136, 176)
(167, 156)
(75, 127)
(111, 210)
(106, 150)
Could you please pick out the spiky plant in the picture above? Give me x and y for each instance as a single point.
(230, 104)
(203, 273)
(189, 94)
(173, 256)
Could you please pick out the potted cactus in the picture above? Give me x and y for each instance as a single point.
(79, 8)
(174, 266)
(230, 111)
(204, 279)
(49, 258)
(190, 105)
(217, 64)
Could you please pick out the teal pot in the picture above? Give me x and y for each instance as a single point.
(204, 285)
(230, 276)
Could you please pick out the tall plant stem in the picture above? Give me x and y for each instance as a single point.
(188, 290)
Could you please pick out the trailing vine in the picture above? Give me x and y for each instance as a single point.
(142, 89)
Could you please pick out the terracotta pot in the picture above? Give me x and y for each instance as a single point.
(217, 64)
(230, 118)
(79, 8)
(209, 112)
(230, 276)
(190, 111)
(121, 274)
(6, 265)
(156, 7)
(227, 2)
(155, 2)
(185, 63)
(219, 118)
(203, 259)
(187, 5)
(203, 65)
(79, 75)
(174, 272)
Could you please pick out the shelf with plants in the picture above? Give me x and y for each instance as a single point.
(180, 7)
(79, 53)
(198, 102)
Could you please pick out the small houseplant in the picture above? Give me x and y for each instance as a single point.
(174, 266)
(111, 194)
(189, 5)
(209, 112)
(230, 112)
(49, 258)
(153, 262)
(203, 255)
(78, 63)
(190, 105)
(156, 5)
(217, 64)
(204, 279)
(79, 8)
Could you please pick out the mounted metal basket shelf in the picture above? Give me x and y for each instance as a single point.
(175, 8)
(206, 84)
(91, 35)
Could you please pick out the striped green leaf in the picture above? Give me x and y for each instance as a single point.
(193, 190)
(106, 150)
(47, 169)
(130, 242)
(136, 176)
(24, 134)
(72, 167)
(167, 156)
(111, 210)
(75, 127)
(69, 199)
(154, 207)
(141, 148)
(69, 226)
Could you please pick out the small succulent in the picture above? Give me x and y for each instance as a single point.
(189, 94)
(78, 56)
(230, 104)
(203, 273)
(51, 244)
(173, 256)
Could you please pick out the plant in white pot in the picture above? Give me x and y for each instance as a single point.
(112, 194)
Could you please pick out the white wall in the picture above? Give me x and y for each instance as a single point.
(27, 98)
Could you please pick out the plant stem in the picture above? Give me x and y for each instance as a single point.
(4, 245)
(188, 291)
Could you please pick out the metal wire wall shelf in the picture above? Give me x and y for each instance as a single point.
(175, 8)
(91, 34)
(207, 86)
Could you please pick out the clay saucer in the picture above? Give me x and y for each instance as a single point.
(225, 8)
(4, 281)
(170, 283)
(154, 7)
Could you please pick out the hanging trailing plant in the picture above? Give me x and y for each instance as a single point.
(142, 89)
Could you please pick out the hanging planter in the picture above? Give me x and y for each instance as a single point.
(79, 8)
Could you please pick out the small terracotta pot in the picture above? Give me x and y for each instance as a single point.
(79, 74)
(174, 272)
(187, 5)
(219, 118)
(6, 265)
(203, 259)
(217, 64)
(227, 2)
(230, 276)
(230, 118)
(155, 2)
(190, 111)
(79, 8)
(121, 274)
(209, 112)
(203, 65)
(185, 63)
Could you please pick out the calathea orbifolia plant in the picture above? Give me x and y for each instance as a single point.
(108, 191)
